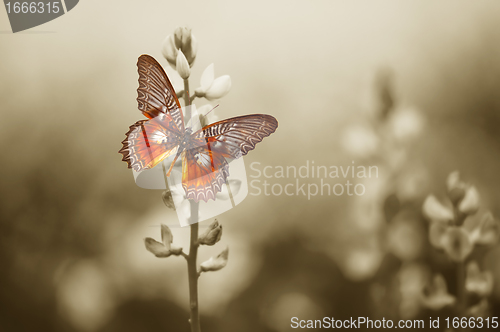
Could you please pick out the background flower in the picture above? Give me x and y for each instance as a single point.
(213, 88)
(478, 282)
(436, 294)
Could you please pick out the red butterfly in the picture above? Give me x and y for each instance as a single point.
(204, 152)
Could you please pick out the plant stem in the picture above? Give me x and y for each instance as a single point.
(193, 247)
(187, 100)
(192, 270)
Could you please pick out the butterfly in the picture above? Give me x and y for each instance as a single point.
(204, 153)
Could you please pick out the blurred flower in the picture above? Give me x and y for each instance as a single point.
(456, 188)
(183, 40)
(405, 237)
(213, 88)
(362, 263)
(412, 279)
(164, 248)
(167, 199)
(437, 230)
(360, 141)
(470, 202)
(464, 196)
(405, 124)
(436, 295)
(435, 211)
(365, 211)
(217, 263)
(182, 66)
(212, 235)
(453, 181)
(456, 243)
(487, 230)
(480, 283)
(479, 310)
(85, 295)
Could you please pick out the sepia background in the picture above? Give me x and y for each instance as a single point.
(410, 87)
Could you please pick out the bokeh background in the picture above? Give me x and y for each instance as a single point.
(411, 87)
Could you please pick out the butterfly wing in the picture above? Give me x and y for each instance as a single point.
(156, 94)
(235, 137)
(148, 142)
(205, 168)
(203, 173)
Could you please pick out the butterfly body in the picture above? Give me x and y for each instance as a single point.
(204, 152)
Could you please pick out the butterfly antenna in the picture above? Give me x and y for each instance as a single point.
(212, 109)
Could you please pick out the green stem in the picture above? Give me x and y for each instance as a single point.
(193, 247)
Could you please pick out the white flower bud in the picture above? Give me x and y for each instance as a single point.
(219, 88)
(166, 236)
(212, 235)
(486, 231)
(167, 199)
(437, 296)
(480, 283)
(169, 50)
(164, 249)
(207, 78)
(213, 88)
(183, 40)
(435, 211)
(470, 202)
(191, 53)
(182, 66)
(217, 263)
(156, 248)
